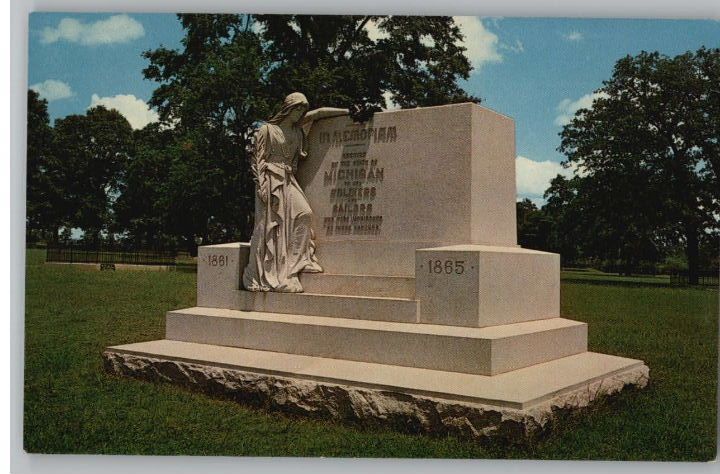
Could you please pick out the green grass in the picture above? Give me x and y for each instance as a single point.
(73, 406)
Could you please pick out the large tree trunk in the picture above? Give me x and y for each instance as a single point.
(55, 234)
(692, 252)
(191, 246)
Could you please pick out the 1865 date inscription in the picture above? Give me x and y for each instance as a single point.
(447, 267)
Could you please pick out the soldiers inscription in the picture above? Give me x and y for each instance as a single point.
(354, 182)
(408, 179)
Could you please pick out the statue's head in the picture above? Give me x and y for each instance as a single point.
(293, 109)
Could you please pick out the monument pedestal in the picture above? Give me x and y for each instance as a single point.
(428, 317)
(368, 358)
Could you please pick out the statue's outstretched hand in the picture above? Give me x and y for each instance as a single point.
(325, 112)
(321, 113)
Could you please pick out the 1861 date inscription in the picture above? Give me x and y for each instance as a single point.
(215, 260)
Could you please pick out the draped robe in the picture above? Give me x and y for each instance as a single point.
(282, 242)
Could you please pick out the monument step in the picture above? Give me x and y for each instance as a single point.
(484, 351)
(359, 285)
(377, 308)
(520, 389)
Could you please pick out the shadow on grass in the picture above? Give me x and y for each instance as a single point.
(566, 422)
(390, 430)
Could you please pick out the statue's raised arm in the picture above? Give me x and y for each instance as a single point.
(320, 113)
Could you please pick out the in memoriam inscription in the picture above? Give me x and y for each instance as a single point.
(354, 182)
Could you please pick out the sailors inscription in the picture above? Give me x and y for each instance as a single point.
(355, 182)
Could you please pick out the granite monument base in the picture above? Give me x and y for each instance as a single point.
(480, 351)
(428, 316)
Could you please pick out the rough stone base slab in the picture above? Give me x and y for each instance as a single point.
(406, 399)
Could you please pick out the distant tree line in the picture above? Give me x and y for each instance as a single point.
(646, 160)
(645, 156)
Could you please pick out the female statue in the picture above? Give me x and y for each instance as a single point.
(282, 242)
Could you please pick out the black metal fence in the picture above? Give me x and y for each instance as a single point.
(642, 268)
(109, 256)
(705, 278)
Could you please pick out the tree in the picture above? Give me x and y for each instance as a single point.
(91, 152)
(138, 211)
(211, 94)
(533, 226)
(234, 70)
(593, 223)
(648, 151)
(564, 213)
(333, 59)
(42, 216)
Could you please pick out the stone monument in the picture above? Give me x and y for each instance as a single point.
(427, 315)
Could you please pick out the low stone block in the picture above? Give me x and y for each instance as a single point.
(479, 286)
(358, 285)
(373, 308)
(219, 270)
(486, 351)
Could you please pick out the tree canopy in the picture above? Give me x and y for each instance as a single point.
(74, 170)
(335, 60)
(534, 227)
(646, 158)
(234, 70)
(91, 153)
(43, 220)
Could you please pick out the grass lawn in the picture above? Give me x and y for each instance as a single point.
(73, 406)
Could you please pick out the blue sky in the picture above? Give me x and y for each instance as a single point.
(537, 71)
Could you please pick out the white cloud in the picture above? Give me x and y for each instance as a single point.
(518, 47)
(295, 27)
(374, 32)
(135, 110)
(428, 41)
(532, 178)
(567, 107)
(538, 201)
(481, 44)
(52, 90)
(573, 36)
(115, 29)
(494, 20)
(389, 101)
(256, 26)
